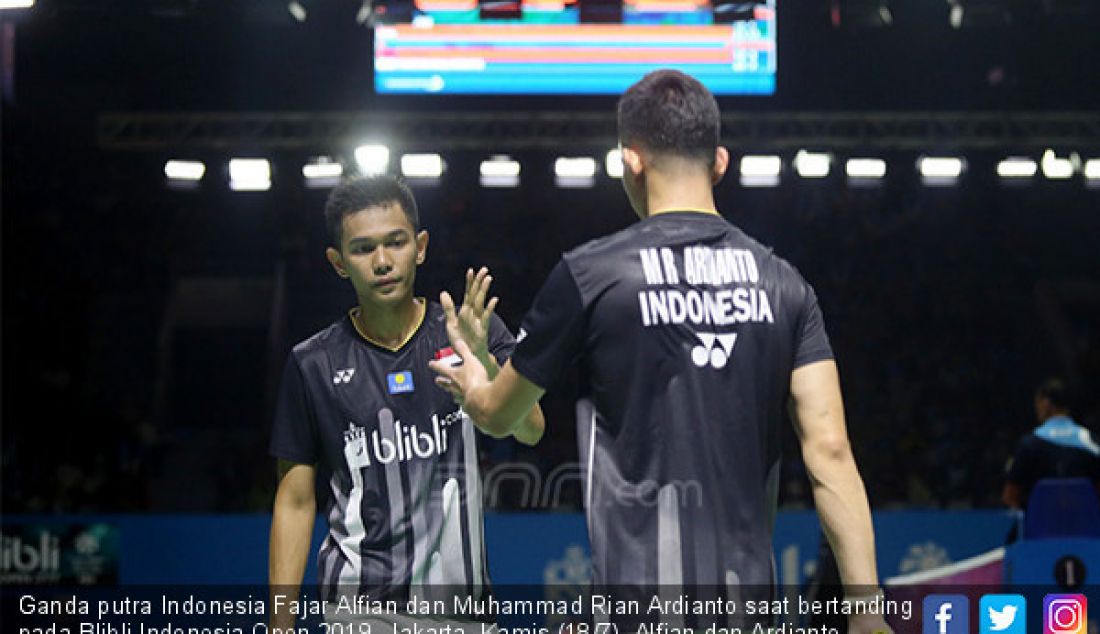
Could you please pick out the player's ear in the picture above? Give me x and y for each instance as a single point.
(421, 247)
(721, 164)
(632, 162)
(337, 261)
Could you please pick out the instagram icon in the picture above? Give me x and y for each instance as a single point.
(1065, 614)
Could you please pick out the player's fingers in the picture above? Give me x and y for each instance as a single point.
(448, 306)
(483, 290)
(443, 370)
(469, 286)
(491, 307)
(479, 280)
(463, 351)
(448, 386)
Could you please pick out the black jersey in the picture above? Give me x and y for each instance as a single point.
(1059, 448)
(398, 456)
(687, 331)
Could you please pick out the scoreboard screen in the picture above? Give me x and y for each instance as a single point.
(594, 47)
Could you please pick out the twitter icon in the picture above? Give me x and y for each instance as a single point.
(1002, 614)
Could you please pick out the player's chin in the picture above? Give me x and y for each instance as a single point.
(391, 294)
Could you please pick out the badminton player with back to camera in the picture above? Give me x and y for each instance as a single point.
(695, 339)
(359, 415)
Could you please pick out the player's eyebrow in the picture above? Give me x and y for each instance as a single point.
(396, 233)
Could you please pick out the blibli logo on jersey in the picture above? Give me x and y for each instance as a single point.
(400, 382)
(362, 449)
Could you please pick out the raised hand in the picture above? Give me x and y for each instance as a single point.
(459, 380)
(470, 322)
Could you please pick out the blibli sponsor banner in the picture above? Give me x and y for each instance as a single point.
(907, 542)
(523, 548)
(57, 552)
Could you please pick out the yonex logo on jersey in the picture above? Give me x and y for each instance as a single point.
(713, 350)
(343, 376)
(400, 382)
(521, 336)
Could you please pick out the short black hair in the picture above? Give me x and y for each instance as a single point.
(1056, 391)
(357, 194)
(668, 112)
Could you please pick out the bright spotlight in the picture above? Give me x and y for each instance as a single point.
(422, 166)
(581, 167)
(297, 10)
(574, 172)
(249, 175)
(16, 4)
(500, 171)
(1056, 168)
(184, 171)
(940, 170)
(812, 164)
(614, 163)
(865, 169)
(760, 170)
(1092, 173)
(372, 159)
(322, 172)
(1015, 167)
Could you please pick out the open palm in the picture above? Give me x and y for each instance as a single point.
(470, 322)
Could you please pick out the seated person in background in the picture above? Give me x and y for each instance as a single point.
(1057, 448)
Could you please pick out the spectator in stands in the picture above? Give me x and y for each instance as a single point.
(1057, 448)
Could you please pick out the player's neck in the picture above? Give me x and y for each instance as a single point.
(389, 326)
(678, 192)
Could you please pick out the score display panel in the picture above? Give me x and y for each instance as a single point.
(545, 47)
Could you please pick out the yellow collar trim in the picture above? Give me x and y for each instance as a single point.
(713, 212)
(354, 314)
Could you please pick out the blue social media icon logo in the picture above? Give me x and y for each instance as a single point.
(1002, 614)
(946, 614)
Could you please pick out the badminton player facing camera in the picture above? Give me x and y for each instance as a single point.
(695, 340)
(358, 413)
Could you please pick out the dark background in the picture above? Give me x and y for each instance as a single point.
(144, 328)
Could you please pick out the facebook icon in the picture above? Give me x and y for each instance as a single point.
(946, 614)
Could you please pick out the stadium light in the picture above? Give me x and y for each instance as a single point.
(760, 170)
(322, 172)
(499, 171)
(16, 4)
(178, 171)
(372, 159)
(1092, 173)
(812, 164)
(1055, 168)
(940, 170)
(865, 169)
(249, 175)
(297, 10)
(574, 172)
(1016, 167)
(614, 163)
(422, 166)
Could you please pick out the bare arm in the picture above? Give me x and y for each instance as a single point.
(470, 324)
(498, 407)
(529, 430)
(818, 413)
(291, 532)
